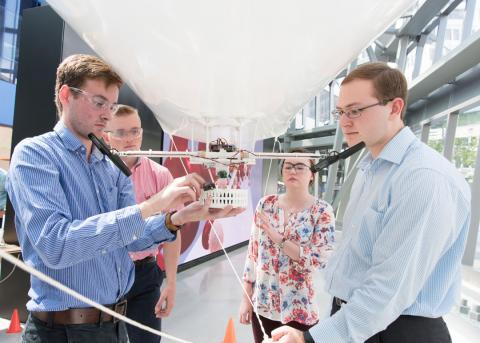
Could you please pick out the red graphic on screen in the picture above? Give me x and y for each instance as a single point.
(176, 167)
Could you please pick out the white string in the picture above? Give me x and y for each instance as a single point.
(11, 272)
(13, 260)
(181, 160)
(270, 165)
(265, 336)
(18, 263)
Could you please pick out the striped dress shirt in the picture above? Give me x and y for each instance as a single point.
(76, 220)
(405, 229)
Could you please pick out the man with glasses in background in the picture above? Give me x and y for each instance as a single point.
(76, 216)
(124, 133)
(396, 271)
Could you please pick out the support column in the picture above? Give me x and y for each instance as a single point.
(352, 65)
(441, 29)
(333, 169)
(419, 55)
(450, 135)
(469, 16)
(331, 104)
(425, 133)
(341, 201)
(371, 54)
(401, 58)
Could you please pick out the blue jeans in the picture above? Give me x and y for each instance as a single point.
(141, 301)
(37, 331)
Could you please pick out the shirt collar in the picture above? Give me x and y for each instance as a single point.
(72, 142)
(96, 154)
(394, 150)
(139, 162)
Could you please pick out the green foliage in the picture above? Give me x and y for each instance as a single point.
(464, 153)
(222, 174)
(436, 144)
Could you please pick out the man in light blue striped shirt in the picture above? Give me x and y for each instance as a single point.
(397, 269)
(76, 216)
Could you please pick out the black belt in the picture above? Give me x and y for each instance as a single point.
(148, 259)
(307, 337)
(86, 315)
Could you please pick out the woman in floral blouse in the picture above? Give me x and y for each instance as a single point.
(290, 239)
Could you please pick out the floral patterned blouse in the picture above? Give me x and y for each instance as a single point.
(283, 288)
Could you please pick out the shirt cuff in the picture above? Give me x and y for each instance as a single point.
(130, 223)
(326, 331)
(157, 230)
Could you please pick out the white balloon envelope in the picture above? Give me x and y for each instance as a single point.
(236, 69)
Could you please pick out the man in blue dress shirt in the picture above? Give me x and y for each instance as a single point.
(76, 216)
(397, 269)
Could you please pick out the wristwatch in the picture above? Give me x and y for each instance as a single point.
(282, 243)
(168, 222)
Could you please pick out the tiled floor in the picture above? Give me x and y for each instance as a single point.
(8, 338)
(209, 294)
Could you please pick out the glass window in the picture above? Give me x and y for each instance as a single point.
(309, 114)
(8, 40)
(363, 58)
(429, 51)
(453, 33)
(9, 44)
(410, 65)
(11, 5)
(11, 13)
(299, 120)
(436, 136)
(417, 130)
(465, 153)
(323, 103)
(466, 142)
(336, 92)
(476, 17)
(4, 63)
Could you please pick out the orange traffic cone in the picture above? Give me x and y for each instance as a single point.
(14, 323)
(230, 333)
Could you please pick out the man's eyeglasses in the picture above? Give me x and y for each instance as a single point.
(356, 112)
(121, 134)
(98, 102)
(298, 167)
